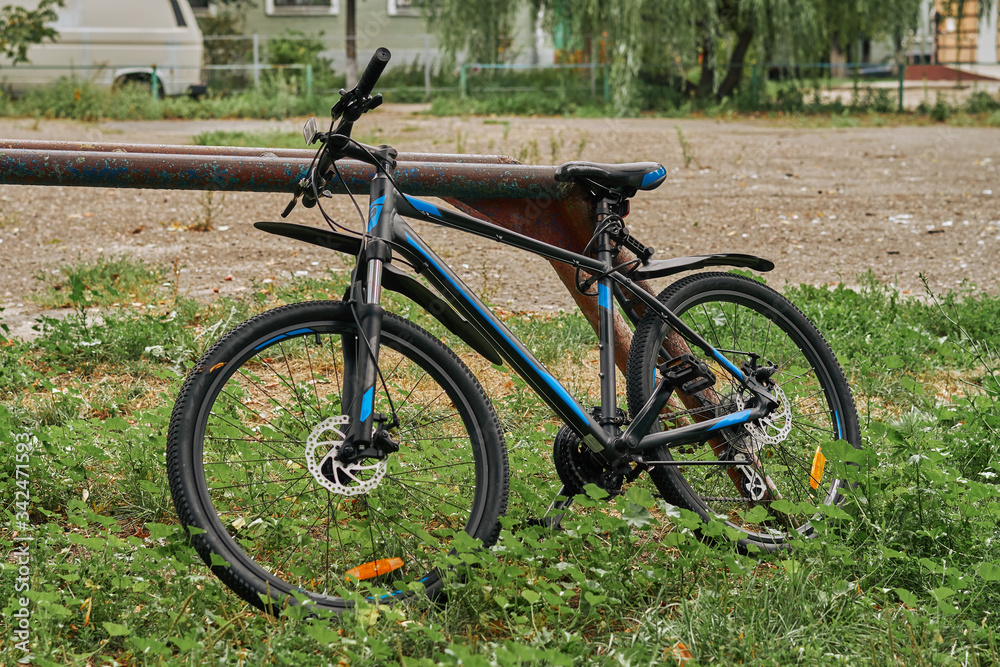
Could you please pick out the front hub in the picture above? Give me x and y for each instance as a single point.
(346, 479)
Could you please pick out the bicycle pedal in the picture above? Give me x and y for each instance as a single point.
(687, 373)
(697, 385)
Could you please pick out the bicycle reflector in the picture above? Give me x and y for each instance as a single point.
(374, 568)
(819, 462)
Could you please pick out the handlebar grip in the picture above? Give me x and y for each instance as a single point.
(374, 70)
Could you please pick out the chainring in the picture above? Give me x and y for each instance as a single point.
(350, 479)
(574, 462)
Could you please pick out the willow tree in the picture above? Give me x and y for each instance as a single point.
(481, 29)
(646, 37)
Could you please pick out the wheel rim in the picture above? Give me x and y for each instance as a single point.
(738, 323)
(295, 535)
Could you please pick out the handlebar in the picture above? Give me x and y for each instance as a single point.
(352, 104)
(372, 72)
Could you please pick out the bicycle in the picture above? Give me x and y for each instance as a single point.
(327, 447)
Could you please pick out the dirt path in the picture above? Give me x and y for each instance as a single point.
(824, 204)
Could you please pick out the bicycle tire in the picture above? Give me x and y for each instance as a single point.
(236, 458)
(739, 315)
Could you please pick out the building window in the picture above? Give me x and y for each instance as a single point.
(202, 7)
(406, 7)
(300, 7)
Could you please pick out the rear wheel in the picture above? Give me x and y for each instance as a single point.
(276, 523)
(784, 452)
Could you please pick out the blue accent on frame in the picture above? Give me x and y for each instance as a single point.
(733, 419)
(366, 403)
(653, 176)
(728, 364)
(604, 296)
(423, 206)
(549, 380)
(282, 337)
(375, 211)
(836, 419)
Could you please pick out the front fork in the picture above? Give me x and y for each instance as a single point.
(361, 351)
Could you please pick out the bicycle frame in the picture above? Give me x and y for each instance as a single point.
(389, 233)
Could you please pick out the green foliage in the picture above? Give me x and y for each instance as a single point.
(483, 30)
(905, 573)
(101, 282)
(277, 96)
(21, 27)
(295, 48)
(652, 40)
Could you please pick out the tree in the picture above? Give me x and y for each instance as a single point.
(662, 39)
(480, 28)
(20, 28)
(350, 45)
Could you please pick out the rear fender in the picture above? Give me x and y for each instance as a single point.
(658, 268)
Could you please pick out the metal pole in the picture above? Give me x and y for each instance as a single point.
(427, 67)
(154, 84)
(607, 84)
(902, 75)
(463, 82)
(256, 59)
(593, 67)
(309, 81)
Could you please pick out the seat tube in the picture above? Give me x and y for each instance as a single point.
(606, 330)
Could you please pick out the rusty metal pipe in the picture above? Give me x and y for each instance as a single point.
(232, 151)
(180, 171)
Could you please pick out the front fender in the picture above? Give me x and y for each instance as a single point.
(393, 280)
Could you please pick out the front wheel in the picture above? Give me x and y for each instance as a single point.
(747, 322)
(276, 523)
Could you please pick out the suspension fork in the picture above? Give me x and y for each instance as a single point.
(361, 357)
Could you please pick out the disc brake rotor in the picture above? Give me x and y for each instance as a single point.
(774, 428)
(751, 437)
(345, 479)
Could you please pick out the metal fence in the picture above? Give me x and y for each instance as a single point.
(593, 72)
(877, 86)
(763, 86)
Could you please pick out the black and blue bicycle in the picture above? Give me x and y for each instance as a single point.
(328, 443)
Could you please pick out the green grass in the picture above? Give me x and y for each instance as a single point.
(906, 573)
(267, 138)
(271, 139)
(105, 282)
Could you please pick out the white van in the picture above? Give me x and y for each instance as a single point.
(111, 42)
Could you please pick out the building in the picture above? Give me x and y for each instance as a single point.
(960, 36)
(396, 24)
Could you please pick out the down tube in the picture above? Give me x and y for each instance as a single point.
(509, 347)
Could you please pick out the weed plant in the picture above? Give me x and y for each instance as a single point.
(906, 572)
(279, 95)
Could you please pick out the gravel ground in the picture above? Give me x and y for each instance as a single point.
(824, 204)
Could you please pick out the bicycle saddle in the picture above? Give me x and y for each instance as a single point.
(638, 175)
